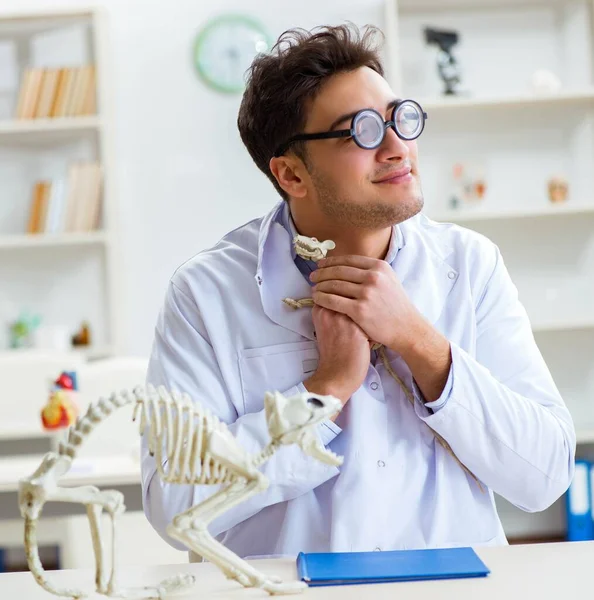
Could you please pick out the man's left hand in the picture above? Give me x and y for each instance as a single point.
(369, 292)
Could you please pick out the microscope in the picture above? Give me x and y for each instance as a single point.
(446, 63)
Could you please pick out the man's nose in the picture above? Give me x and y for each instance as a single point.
(392, 148)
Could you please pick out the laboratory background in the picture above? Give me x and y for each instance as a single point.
(120, 159)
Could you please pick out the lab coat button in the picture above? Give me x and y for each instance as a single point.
(378, 549)
(381, 463)
(374, 386)
(452, 275)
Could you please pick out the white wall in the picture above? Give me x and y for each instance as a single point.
(183, 177)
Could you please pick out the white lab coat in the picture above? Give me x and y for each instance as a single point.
(225, 337)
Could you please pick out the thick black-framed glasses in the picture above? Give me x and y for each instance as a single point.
(368, 128)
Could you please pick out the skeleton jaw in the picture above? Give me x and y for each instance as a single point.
(314, 448)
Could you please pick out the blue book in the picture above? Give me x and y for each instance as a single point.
(341, 568)
(580, 524)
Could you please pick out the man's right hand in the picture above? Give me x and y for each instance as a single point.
(344, 355)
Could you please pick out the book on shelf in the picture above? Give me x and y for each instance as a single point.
(67, 204)
(47, 93)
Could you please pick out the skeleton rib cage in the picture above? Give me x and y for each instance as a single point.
(179, 432)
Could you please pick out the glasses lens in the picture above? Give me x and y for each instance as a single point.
(369, 129)
(409, 120)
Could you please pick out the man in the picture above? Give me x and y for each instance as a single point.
(322, 123)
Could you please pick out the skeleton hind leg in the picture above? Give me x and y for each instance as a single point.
(201, 541)
(94, 514)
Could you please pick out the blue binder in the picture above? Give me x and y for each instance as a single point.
(580, 525)
(343, 568)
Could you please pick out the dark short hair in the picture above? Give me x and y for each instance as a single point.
(282, 82)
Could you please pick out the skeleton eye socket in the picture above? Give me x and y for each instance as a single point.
(317, 403)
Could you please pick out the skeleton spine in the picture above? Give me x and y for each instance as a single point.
(96, 413)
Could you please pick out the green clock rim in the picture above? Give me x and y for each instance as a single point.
(202, 34)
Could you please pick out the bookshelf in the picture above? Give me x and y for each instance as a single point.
(517, 137)
(57, 242)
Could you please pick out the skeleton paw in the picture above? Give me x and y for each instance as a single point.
(289, 587)
(176, 585)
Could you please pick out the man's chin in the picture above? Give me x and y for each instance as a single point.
(416, 205)
(407, 207)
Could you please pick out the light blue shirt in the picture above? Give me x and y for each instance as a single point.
(225, 337)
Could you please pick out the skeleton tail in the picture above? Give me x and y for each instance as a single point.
(35, 566)
(96, 413)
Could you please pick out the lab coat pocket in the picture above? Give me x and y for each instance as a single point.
(278, 367)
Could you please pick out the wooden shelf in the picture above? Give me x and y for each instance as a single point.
(47, 130)
(27, 131)
(444, 103)
(433, 5)
(17, 126)
(48, 240)
(25, 24)
(480, 214)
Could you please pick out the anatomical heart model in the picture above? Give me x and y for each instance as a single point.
(61, 409)
(196, 449)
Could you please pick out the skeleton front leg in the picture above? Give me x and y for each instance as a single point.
(190, 528)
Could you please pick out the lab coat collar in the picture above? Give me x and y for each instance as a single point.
(421, 265)
(278, 277)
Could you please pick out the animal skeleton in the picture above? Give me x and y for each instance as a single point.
(191, 446)
(312, 249)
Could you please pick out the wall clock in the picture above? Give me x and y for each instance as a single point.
(224, 50)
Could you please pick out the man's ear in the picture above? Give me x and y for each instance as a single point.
(290, 172)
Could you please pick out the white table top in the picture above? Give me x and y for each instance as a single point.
(99, 471)
(539, 571)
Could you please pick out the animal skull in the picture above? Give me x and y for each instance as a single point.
(312, 249)
(291, 421)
